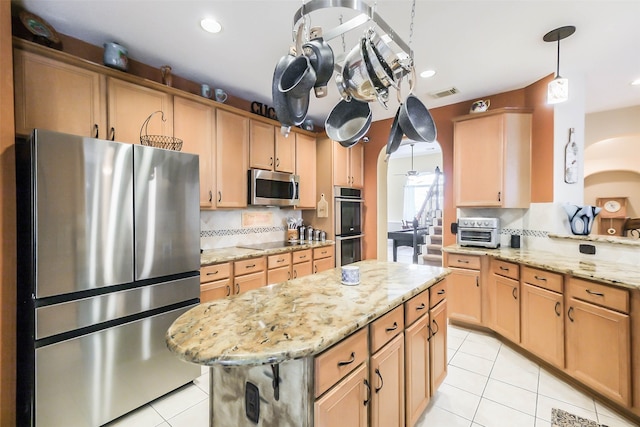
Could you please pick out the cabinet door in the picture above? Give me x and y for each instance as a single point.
(215, 290)
(306, 170)
(543, 323)
(356, 165)
(387, 384)
(232, 142)
(286, 152)
(341, 173)
(438, 345)
(417, 381)
(465, 296)
(261, 145)
(302, 269)
(346, 403)
(130, 105)
(506, 315)
(598, 349)
(477, 161)
(251, 281)
(323, 264)
(278, 275)
(56, 96)
(194, 123)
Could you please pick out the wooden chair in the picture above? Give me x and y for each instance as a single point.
(631, 228)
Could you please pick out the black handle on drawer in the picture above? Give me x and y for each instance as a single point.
(393, 328)
(237, 288)
(544, 279)
(421, 307)
(463, 261)
(377, 371)
(228, 290)
(350, 361)
(477, 282)
(249, 266)
(598, 294)
(504, 268)
(441, 292)
(368, 399)
(211, 274)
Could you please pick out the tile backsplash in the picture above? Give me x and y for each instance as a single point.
(220, 229)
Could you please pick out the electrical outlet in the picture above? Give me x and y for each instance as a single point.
(587, 249)
(252, 402)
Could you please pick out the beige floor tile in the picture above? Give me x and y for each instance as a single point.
(184, 398)
(454, 343)
(472, 363)
(514, 397)
(435, 416)
(196, 416)
(514, 374)
(545, 404)
(466, 380)
(615, 421)
(202, 382)
(144, 416)
(456, 401)
(492, 414)
(487, 350)
(555, 388)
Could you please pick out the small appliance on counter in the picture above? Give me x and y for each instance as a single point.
(477, 231)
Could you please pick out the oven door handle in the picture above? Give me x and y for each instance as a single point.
(354, 236)
(343, 199)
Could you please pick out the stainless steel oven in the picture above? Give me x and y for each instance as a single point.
(483, 232)
(348, 225)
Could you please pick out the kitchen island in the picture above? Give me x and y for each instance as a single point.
(262, 345)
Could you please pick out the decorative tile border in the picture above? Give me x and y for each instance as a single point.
(240, 231)
(529, 233)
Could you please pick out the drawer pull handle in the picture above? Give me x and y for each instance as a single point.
(212, 273)
(368, 399)
(250, 266)
(219, 196)
(504, 268)
(437, 327)
(557, 308)
(544, 279)
(381, 381)
(441, 292)
(289, 275)
(280, 260)
(237, 288)
(598, 294)
(295, 274)
(515, 293)
(463, 261)
(393, 328)
(421, 307)
(477, 282)
(228, 290)
(302, 257)
(95, 127)
(569, 313)
(348, 362)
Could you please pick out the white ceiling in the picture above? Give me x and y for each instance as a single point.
(480, 47)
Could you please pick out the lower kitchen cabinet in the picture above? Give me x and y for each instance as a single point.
(347, 403)
(249, 274)
(465, 296)
(215, 282)
(438, 345)
(387, 384)
(417, 378)
(279, 268)
(506, 314)
(323, 259)
(302, 264)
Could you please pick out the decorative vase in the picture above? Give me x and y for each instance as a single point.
(581, 218)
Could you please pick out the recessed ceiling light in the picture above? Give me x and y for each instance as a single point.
(636, 82)
(211, 25)
(427, 73)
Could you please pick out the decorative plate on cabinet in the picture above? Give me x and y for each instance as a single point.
(40, 28)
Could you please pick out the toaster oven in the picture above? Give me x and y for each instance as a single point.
(482, 232)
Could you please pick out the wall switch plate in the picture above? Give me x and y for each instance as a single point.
(587, 249)
(252, 402)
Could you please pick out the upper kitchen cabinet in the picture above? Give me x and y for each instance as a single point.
(232, 143)
(269, 149)
(305, 150)
(129, 105)
(492, 159)
(54, 95)
(348, 165)
(194, 123)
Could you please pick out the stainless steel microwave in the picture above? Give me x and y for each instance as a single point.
(267, 188)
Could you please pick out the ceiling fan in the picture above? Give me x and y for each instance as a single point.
(411, 172)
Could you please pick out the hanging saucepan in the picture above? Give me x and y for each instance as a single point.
(290, 111)
(381, 74)
(395, 135)
(298, 77)
(348, 122)
(416, 121)
(355, 82)
(399, 63)
(320, 56)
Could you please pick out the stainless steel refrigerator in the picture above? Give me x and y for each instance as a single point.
(108, 258)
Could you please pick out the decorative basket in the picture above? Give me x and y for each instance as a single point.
(159, 141)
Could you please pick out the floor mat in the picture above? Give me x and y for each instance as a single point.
(560, 418)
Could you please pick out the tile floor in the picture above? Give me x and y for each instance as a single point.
(488, 384)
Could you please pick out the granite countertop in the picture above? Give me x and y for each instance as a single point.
(236, 253)
(296, 318)
(614, 273)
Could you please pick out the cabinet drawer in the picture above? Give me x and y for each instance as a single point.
(606, 296)
(323, 252)
(339, 360)
(386, 328)
(506, 269)
(210, 273)
(301, 269)
(437, 293)
(542, 278)
(247, 266)
(215, 290)
(279, 260)
(302, 256)
(278, 275)
(250, 281)
(464, 261)
(416, 307)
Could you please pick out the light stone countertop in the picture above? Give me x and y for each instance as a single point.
(613, 273)
(236, 253)
(296, 318)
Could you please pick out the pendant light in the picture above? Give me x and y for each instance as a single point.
(558, 89)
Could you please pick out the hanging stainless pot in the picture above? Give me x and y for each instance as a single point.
(348, 122)
(380, 72)
(320, 56)
(355, 82)
(298, 77)
(399, 63)
(291, 111)
(395, 135)
(416, 121)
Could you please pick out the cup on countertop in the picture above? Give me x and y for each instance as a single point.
(220, 95)
(205, 90)
(350, 275)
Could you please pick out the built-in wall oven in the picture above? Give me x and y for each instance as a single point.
(348, 225)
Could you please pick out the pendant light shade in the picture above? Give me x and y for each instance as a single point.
(558, 89)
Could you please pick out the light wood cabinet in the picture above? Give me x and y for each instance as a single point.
(279, 268)
(215, 282)
(598, 345)
(56, 96)
(323, 259)
(491, 159)
(130, 104)
(438, 345)
(306, 170)
(302, 264)
(232, 143)
(348, 165)
(417, 367)
(465, 295)
(269, 149)
(387, 383)
(541, 318)
(346, 404)
(194, 124)
(505, 296)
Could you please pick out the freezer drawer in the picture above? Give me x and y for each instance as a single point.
(95, 378)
